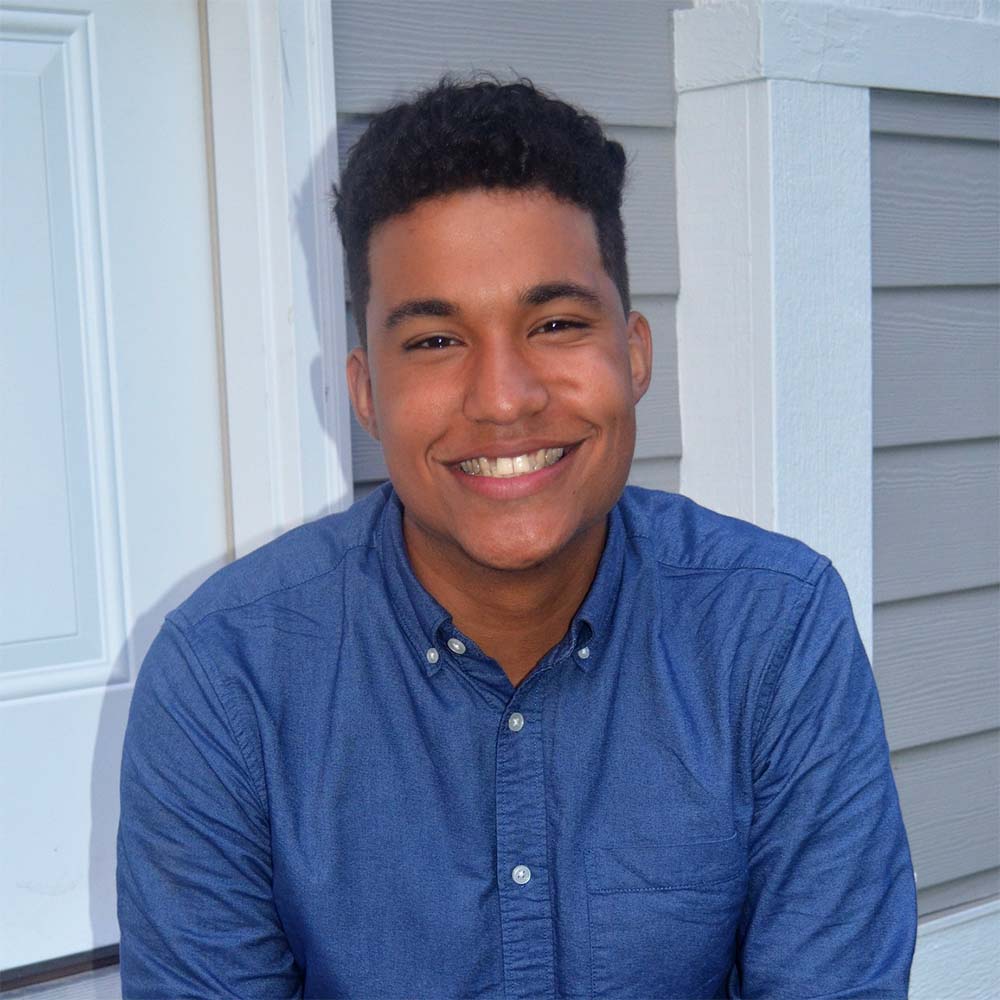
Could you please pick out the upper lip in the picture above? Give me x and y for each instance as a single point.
(508, 449)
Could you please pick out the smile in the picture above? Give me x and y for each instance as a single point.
(514, 465)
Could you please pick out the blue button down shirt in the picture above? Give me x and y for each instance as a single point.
(328, 791)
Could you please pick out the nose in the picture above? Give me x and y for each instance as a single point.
(504, 384)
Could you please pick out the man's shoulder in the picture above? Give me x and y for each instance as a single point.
(295, 559)
(676, 531)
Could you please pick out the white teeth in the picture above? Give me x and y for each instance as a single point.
(518, 465)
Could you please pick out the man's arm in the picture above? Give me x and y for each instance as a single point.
(195, 904)
(832, 903)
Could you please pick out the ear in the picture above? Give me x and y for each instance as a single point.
(640, 353)
(359, 385)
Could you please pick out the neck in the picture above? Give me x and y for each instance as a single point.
(514, 616)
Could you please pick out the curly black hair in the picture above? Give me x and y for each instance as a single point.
(459, 135)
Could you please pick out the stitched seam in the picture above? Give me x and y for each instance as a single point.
(779, 660)
(277, 590)
(727, 568)
(238, 737)
(660, 888)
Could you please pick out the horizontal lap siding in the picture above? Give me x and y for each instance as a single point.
(618, 67)
(936, 362)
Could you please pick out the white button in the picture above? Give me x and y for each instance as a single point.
(521, 874)
(583, 653)
(516, 722)
(432, 655)
(456, 646)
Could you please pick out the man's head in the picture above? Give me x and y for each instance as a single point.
(456, 137)
(502, 365)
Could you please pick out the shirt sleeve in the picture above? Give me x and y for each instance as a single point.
(831, 908)
(195, 903)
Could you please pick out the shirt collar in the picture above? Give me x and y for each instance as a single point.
(428, 625)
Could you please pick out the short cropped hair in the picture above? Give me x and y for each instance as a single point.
(460, 135)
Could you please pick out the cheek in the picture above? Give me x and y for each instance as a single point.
(412, 410)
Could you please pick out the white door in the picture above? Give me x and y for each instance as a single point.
(112, 493)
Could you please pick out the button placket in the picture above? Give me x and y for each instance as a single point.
(522, 855)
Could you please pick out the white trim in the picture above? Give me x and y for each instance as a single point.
(774, 315)
(310, 108)
(735, 42)
(271, 116)
(956, 956)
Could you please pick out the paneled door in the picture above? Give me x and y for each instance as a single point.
(113, 500)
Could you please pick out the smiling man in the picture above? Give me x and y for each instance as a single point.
(507, 728)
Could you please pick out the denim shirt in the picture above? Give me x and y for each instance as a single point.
(329, 791)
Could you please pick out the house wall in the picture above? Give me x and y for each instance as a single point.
(618, 68)
(936, 367)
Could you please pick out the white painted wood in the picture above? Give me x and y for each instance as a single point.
(957, 957)
(864, 46)
(317, 268)
(773, 320)
(129, 510)
(274, 144)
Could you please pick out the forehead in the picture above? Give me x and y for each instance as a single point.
(482, 244)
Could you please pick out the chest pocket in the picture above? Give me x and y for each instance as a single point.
(663, 919)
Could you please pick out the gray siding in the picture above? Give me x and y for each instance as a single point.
(618, 68)
(936, 361)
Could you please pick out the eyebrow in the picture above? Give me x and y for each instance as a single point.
(419, 307)
(540, 295)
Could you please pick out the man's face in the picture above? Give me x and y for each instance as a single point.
(501, 376)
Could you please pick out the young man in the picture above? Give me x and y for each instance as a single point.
(503, 729)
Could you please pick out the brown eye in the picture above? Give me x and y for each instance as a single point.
(558, 325)
(431, 343)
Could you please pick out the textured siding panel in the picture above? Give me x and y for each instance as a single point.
(936, 364)
(959, 892)
(650, 210)
(617, 67)
(656, 474)
(935, 212)
(936, 367)
(950, 794)
(936, 666)
(947, 116)
(937, 518)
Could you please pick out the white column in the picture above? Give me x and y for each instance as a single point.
(774, 313)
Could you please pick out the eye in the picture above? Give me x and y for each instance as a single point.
(433, 343)
(558, 325)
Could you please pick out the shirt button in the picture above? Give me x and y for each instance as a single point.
(516, 722)
(432, 655)
(456, 646)
(521, 874)
(584, 652)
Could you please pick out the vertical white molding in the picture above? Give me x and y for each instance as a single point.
(271, 82)
(310, 110)
(774, 313)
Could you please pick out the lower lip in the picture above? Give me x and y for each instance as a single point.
(514, 487)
